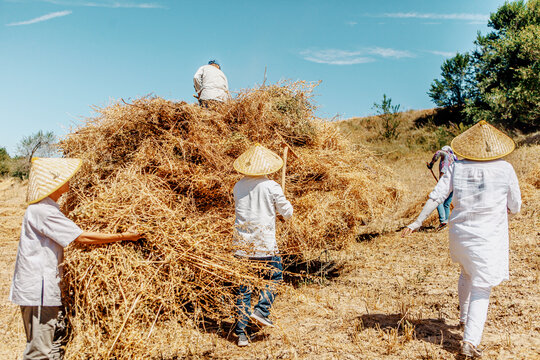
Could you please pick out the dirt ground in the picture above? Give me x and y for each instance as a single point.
(393, 299)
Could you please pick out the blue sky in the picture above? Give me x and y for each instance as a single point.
(61, 57)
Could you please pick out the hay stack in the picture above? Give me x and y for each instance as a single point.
(167, 168)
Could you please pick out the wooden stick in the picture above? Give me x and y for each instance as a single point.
(432, 173)
(284, 170)
(287, 145)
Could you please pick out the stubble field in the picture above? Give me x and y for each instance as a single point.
(393, 299)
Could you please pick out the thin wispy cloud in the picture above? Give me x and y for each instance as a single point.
(335, 57)
(442, 53)
(107, 4)
(351, 23)
(386, 52)
(347, 57)
(475, 18)
(41, 18)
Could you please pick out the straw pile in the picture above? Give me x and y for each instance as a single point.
(166, 167)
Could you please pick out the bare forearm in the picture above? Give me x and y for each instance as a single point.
(95, 238)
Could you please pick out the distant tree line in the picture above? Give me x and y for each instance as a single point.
(38, 144)
(500, 80)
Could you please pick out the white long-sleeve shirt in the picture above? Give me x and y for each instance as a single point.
(257, 199)
(44, 235)
(211, 84)
(478, 225)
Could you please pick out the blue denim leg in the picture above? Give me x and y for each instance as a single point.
(446, 204)
(268, 294)
(444, 209)
(442, 214)
(243, 306)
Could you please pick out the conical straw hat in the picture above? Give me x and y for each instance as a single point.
(49, 174)
(482, 142)
(258, 160)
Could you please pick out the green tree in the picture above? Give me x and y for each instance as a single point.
(457, 83)
(389, 114)
(507, 63)
(4, 162)
(38, 144)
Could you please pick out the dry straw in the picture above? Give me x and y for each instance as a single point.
(166, 167)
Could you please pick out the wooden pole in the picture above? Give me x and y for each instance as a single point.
(284, 170)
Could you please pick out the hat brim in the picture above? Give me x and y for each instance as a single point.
(57, 187)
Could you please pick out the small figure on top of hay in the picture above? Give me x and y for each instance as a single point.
(38, 272)
(447, 158)
(257, 199)
(211, 85)
(485, 190)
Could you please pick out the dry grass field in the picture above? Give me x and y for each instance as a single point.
(393, 298)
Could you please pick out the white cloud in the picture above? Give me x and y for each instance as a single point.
(41, 18)
(442, 53)
(351, 23)
(474, 18)
(107, 4)
(347, 57)
(335, 57)
(386, 52)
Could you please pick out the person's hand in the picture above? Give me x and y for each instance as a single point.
(429, 165)
(406, 232)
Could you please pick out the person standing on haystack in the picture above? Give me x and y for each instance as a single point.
(447, 158)
(485, 189)
(45, 233)
(257, 199)
(211, 85)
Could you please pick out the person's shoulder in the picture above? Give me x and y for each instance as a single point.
(271, 184)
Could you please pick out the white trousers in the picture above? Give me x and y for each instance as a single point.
(473, 308)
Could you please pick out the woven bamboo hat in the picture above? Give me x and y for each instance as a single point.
(48, 175)
(482, 142)
(258, 160)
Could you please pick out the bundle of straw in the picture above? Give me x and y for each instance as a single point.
(166, 167)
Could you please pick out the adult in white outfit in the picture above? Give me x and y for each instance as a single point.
(211, 84)
(45, 232)
(485, 190)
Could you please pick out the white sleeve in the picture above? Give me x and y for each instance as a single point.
(514, 194)
(283, 206)
(197, 80)
(444, 187)
(428, 209)
(60, 229)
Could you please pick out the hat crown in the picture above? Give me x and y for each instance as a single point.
(482, 142)
(258, 160)
(49, 174)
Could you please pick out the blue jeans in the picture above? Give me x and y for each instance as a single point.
(274, 272)
(444, 209)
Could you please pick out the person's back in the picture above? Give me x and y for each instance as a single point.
(482, 194)
(257, 199)
(211, 83)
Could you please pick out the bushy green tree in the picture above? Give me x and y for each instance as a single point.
(507, 62)
(457, 83)
(4, 162)
(500, 80)
(508, 67)
(389, 115)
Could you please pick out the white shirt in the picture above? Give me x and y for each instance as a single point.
(44, 234)
(256, 201)
(211, 83)
(478, 225)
